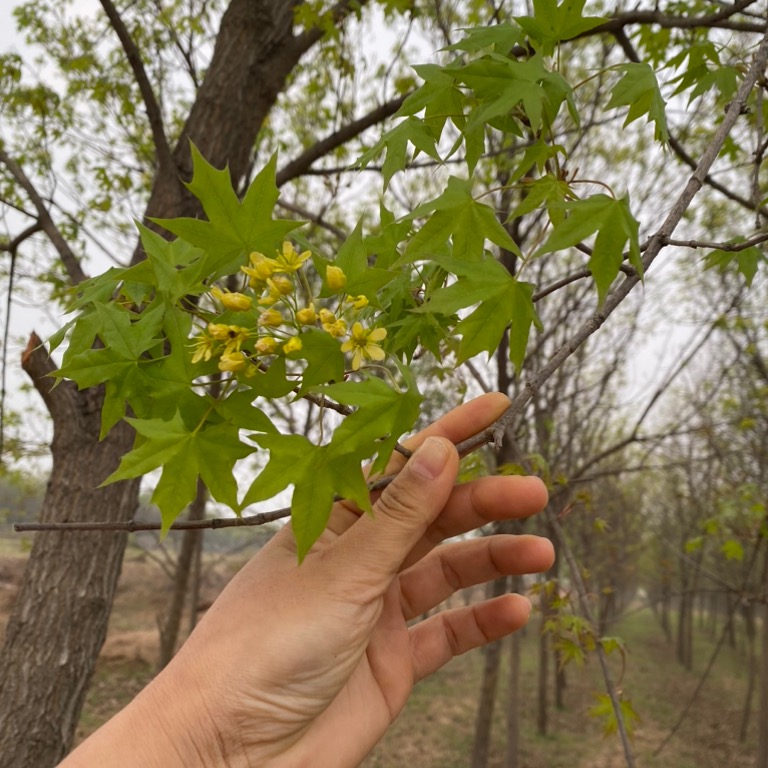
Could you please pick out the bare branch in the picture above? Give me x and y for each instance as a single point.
(68, 258)
(302, 164)
(315, 218)
(12, 246)
(729, 247)
(151, 105)
(721, 19)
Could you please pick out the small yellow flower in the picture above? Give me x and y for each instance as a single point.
(237, 302)
(266, 345)
(364, 344)
(357, 302)
(232, 335)
(203, 348)
(261, 267)
(292, 345)
(271, 318)
(232, 361)
(335, 278)
(307, 316)
(278, 287)
(337, 329)
(290, 260)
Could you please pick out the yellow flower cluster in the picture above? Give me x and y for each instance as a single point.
(273, 306)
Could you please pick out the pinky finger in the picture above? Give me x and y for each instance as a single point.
(436, 640)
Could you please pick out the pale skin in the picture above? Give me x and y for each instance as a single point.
(309, 665)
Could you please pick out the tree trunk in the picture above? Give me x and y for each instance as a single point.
(543, 681)
(512, 757)
(58, 625)
(484, 719)
(749, 616)
(170, 623)
(762, 719)
(59, 620)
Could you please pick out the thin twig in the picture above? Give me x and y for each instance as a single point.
(728, 247)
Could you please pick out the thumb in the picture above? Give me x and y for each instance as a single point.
(380, 543)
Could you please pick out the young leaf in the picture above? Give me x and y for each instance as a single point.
(552, 23)
(382, 415)
(616, 228)
(639, 90)
(233, 228)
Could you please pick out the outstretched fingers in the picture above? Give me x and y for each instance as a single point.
(461, 564)
(435, 641)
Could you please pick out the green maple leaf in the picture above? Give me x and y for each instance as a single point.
(501, 299)
(551, 23)
(605, 712)
(746, 261)
(318, 473)
(615, 228)
(458, 217)
(177, 266)
(638, 89)
(209, 451)
(325, 360)
(362, 278)
(382, 415)
(234, 228)
(122, 363)
(410, 131)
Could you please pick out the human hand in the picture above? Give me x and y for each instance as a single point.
(310, 664)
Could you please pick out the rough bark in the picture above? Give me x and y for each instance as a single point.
(66, 595)
(762, 715)
(69, 584)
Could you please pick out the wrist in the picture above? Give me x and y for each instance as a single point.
(166, 726)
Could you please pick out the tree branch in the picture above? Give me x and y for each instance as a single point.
(151, 105)
(721, 19)
(496, 431)
(68, 258)
(729, 247)
(304, 161)
(12, 246)
(37, 364)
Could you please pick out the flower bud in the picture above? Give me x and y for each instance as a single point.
(271, 318)
(292, 345)
(336, 329)
(280, 284)
(307, 316)
(232, 361)
(326, 316)
(236, 302)
(335, 278)
(266, 345)
(358, 302)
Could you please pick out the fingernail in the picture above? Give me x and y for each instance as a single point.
(430, 458)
